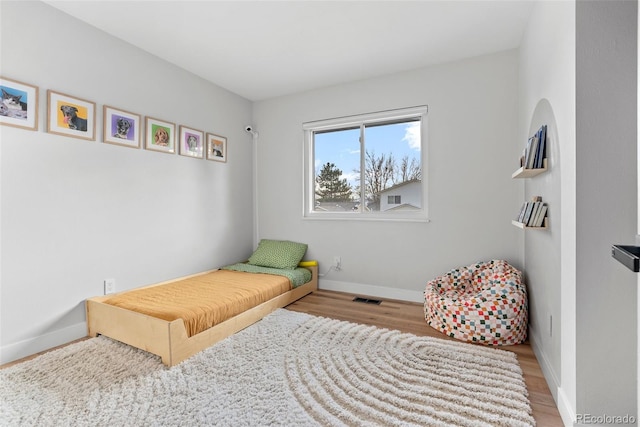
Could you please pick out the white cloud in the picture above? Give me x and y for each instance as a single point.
(412, 135)
(351, 177)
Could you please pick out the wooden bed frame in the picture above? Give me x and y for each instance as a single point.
(169, 340)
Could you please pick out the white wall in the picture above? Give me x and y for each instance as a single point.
(547, 96)
(606, 206)
(580, 72)
(472, 124)
(76, 212)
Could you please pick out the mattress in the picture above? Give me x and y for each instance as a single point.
(203, 301)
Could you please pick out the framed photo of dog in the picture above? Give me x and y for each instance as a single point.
(71, 116)
(160, 136)
(191, 142)
(19, 104)
(121, 127)
(216, 148)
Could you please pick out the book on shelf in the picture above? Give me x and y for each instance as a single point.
(526, 153)
(521, 213)
(541, 216)
(534, 151)
(535, 202)
(534, 212)
(523, 210)
(518, 216)
(540, 155)
(527, 215)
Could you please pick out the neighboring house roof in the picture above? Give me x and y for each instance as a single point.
(404, 207)
(402, 184)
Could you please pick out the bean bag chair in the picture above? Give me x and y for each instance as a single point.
(483, 303)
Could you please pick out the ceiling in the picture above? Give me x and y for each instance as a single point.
(265, 49)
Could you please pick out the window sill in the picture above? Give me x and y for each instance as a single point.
(319, 216)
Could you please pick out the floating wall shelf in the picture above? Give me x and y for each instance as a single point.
(521, 225)
(528, 173)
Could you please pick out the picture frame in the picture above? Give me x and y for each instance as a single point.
(71, 116)
(191, 142)
(121, 127)
(160, 136)
(216, 148)
(19, 104)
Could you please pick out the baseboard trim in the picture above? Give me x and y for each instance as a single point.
(31, 346)
(547, 370)
(565, 409)
(562, 403)
(371, 290)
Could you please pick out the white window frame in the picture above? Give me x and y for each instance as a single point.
(309, 128)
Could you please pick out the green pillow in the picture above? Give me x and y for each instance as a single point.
(278, 254)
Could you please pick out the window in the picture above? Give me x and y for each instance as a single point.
(366, 167)
(394, 200)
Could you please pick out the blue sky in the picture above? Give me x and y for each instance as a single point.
(14, 91)
(343, 148)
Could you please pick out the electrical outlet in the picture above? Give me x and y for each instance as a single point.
(337, 262)
(109, 286)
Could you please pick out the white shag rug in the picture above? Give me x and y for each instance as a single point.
(289, 369)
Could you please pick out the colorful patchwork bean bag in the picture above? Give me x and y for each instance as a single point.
(483, 303)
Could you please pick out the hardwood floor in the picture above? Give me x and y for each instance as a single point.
(409, 317)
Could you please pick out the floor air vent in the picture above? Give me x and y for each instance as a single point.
(367, 300)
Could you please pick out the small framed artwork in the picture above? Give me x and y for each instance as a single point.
(216, 148)
(121, 127)
(191, 142)
(19, 106)
(160, 136)
(71, 116)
